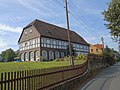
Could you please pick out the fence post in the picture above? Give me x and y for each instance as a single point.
(22, 80)
(8, 80)
(1, 81)
(88, 63)
(63, 74)
(17, 80)
(25, 78)
(14, 80)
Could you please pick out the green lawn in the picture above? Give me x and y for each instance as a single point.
(18, 66)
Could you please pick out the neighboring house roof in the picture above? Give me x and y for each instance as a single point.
(100, 46)
(53, 31)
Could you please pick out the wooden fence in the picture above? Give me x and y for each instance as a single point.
(40, 79)
(95, 57)
(96, 61)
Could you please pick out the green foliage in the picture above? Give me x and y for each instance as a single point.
(112, 16)
(66, 58)
(8, 54)
(81, 57)
(3, 55)
(108, 55)
(42, 59)
(63, 59)
(17, 54)
(57, 59)
(117, 59)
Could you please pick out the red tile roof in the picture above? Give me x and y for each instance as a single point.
(100, 46)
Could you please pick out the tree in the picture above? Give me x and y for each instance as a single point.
(17, 54)
(0, 58)
(108, 55)
(112, 16)
(8, 55)
(3, 55)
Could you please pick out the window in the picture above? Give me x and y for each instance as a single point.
(26, 32)
(65, 44)
(38, 40)
(51, 41)
(30, 30)
(97, 51)
(26, 57)
(48, 41)
(42, 40)
(22, 57)
(25, 44)
(31, 56)
(91, 50)
(62, 54)
(48, 45)
(44, 54)
(54, 46)
(45, 45)
(51, 55)
(33, 41)
(54, 42)
(37, 56)
(57, 55)
(42, 45)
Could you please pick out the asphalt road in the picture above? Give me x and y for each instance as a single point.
(108, 79)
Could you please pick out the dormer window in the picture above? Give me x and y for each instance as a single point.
(25, 32)
(25, 44)
(30, 30)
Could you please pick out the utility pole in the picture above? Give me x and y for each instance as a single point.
(119, 45)
(103, 61)
(68, 31)
(102, 39)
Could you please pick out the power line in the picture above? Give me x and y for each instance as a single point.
(82, 18)
(59, 3)
(81, 23)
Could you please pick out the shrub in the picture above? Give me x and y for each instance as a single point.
(42, 59)
(66, 58)
(63, 59)
(57, 59)
(81, 57)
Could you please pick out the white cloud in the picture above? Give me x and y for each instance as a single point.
(2, 43)
(106, 36)
(2, 33)
(8, 28)
(90, 38)
(43, 7)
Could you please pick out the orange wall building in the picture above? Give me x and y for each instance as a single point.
(96, 49)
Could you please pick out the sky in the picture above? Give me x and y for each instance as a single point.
(84, 15)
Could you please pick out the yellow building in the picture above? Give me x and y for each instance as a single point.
(95, 49)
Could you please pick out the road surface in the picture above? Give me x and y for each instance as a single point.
(108, 79)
